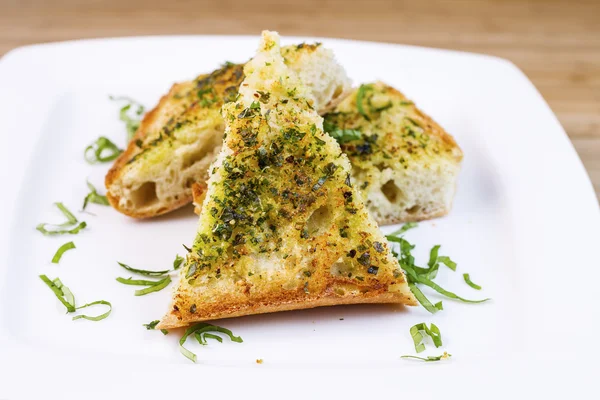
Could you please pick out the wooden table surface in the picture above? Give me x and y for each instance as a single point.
(556, 43)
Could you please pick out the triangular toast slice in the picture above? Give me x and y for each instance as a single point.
(180, 137)
(404, 164)
(281, 227)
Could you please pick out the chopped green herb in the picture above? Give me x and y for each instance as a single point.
(470, 283)
(417, 336)
(61, 250)
(152, 326)
(264, 96)
(200, 330)
(163, 283)
(383, 108)
(102, 150)
(177, 262)
(60, 291)
(71, 226)
(136, 282)
(94, 197)
(437, 288)
(415, 274)
(132, 121)
(423, 300)
(430, 358)
(345, 135)
(447, 262)
(341, 135)
(407, 226)
(65, 296)
(98, 317)
(143, 271)
(211, 336)
(360, 95)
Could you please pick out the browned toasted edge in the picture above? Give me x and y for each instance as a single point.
(432, 127)
(131, 150)
(198, 194)
(294, 302)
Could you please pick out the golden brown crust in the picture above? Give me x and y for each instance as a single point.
(283, 302)
(198, 194)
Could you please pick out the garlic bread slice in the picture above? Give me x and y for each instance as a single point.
(404, 164)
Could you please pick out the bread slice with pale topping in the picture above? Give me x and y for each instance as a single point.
(180, 137)
(281, 226)
(404, 164)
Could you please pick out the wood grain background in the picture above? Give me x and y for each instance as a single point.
(555, 42)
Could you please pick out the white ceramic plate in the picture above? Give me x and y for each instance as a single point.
(525, 225)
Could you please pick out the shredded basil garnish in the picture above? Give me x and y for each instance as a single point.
(416, 274)
(417, 336)
(200, 331)
(152, 326)
(98, 317)
(136, 282)
(65, 296)
(430, 358)
(61, 292)
(157, 286)
(470, 282)
(341, 135)
(407, 226)
(177, 262)
(153, 286)
(440, 290)
(423, 300)
(345, 135)
(102, 150)
(94, 197)
(61, 250)
(132, 120)
(71, 226)
(143, 271)
(360, 95)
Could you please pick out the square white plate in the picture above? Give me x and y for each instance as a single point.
(525, 225)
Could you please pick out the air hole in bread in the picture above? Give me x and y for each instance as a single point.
(392, 192)
(413, 210)
(195, 155)
(338, 91)
(145, 195)
(320, 221)
(340, 268)
(381, 167)
(189, 182)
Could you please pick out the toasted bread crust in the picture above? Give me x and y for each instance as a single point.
(287, 302)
